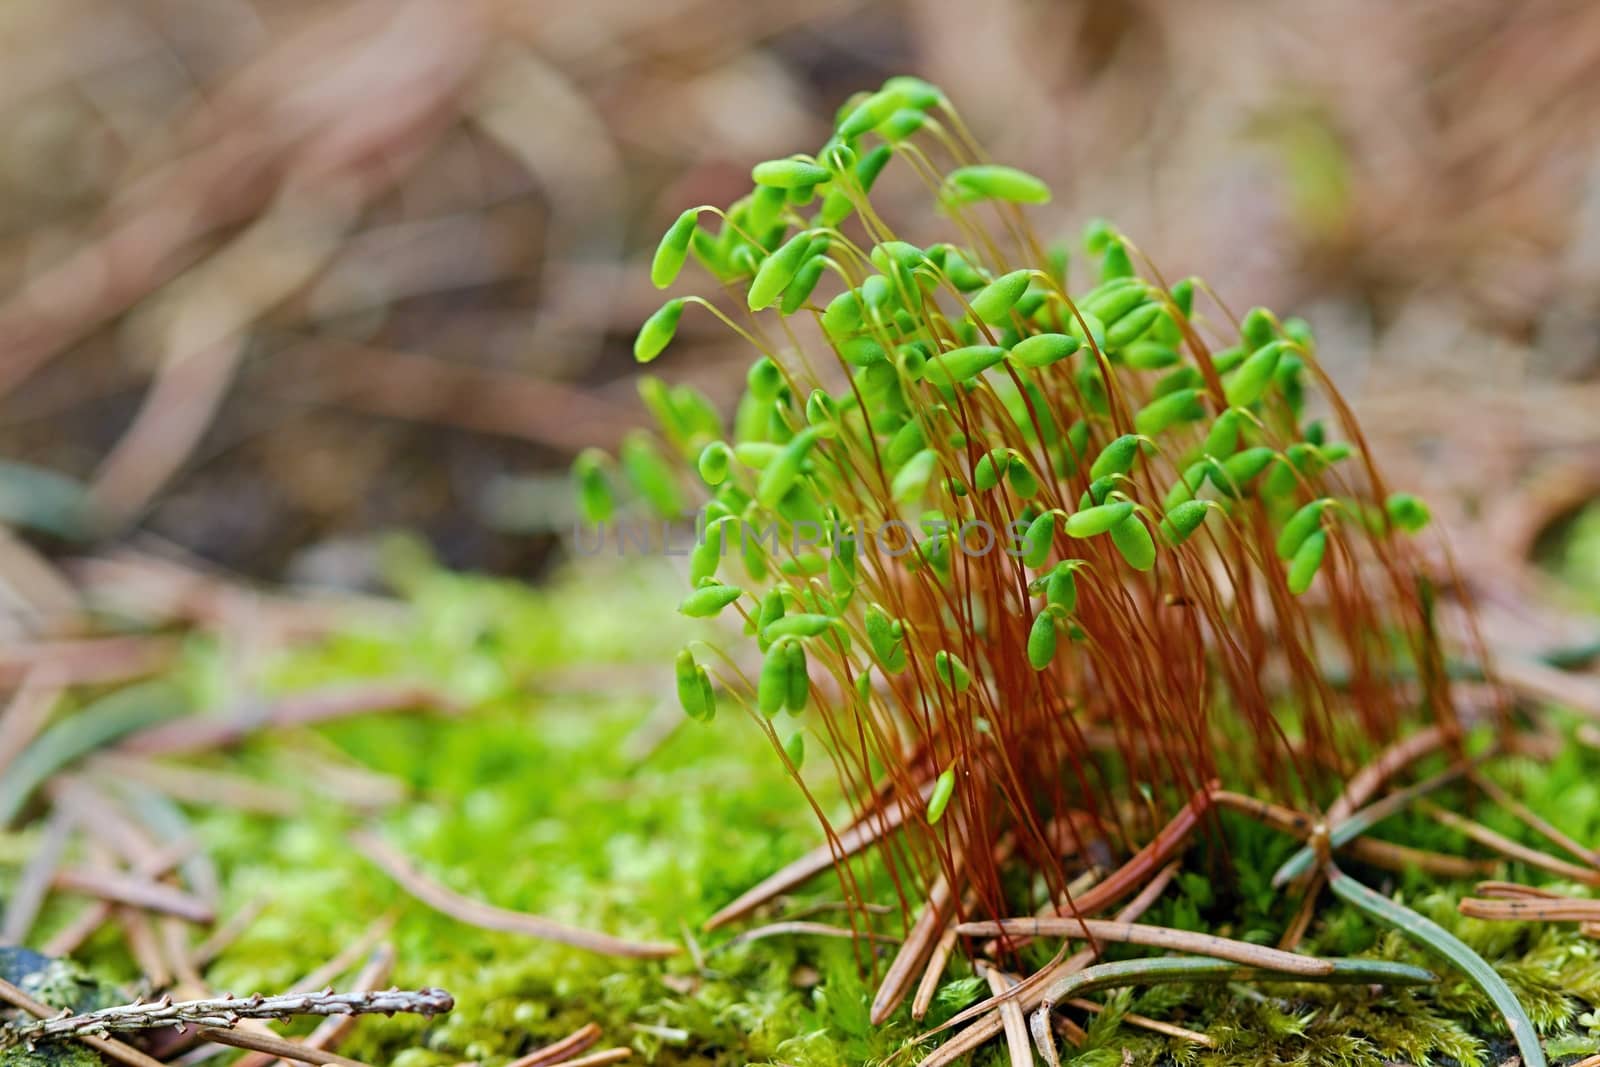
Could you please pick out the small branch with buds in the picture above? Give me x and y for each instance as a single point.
(225, 1012)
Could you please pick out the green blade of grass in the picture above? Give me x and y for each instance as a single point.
(1432, 935)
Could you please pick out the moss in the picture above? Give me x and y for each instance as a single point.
(533, 800)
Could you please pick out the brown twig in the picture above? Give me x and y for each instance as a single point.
(1532, 910)
(1514, 850)
(33, 884)
(488, 917)
(1012, 1020)
(134, 891)
(106, 1046)
(929, 983)
(1144, 1022)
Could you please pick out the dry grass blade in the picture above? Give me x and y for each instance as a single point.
(276, 1046)
(488, 917)
(1221, 948)
(864, 832)
(106, 1046)
(89, 660)
(1532, 910)
(194, 785)
(229, 931)
(561, 1051)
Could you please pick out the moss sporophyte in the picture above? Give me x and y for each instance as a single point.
(1203, 589)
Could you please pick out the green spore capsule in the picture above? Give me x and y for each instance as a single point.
(1408, 512)
(788, 173)
(1097, 520)
(861, 352)
(1234, 474)
(962, 364)
(783, 472)
(595, 501)
(804, 283)
(673, 249)
(1021, 477)
(962, 274)
(658, 330)
(1097, 492)
(1182, 521)
(802, 625)
(911, 480)
(1058, 258)
(871, 165)
(1039, 539)
(907, 441)
(951, 671)
(694, 688)
(1149, 355)
(1116, 297)
(795, 749)
(1086, 326)
(994, 302)
(943, 789)
(799, 678)
(1134, 325)
(1117, 263)
(1300, 526)
(1222, 440)
(1258, 328)
(709, 600)
(1183, 295)
(1097, 235)
(765, 380)
(1133, 541)
(1043, 349)
(885, 636)
(902, 124)
(1189, 483)
(772, 684)
(1176, 380)
(1116, 458)
(650, 475)
(1183, 405)
(914, 91)
(842, 316)
(766, 206)
(870, 112)
(756, 455)
(713, 463)
(1254, 375)
(1061, 588)
(708, 551)
(822, 412)
(777, 271)
(986, 473)
(1307, 559)
(995, 182)
(1042, 641)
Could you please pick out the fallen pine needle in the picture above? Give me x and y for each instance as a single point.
(1222, 948)
(1144, 1022)
(488, 917)
(276, 1046)
(562, 1050)
(1532, 909)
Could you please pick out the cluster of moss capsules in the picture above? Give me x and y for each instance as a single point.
(1049, 548)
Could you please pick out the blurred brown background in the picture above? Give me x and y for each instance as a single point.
(278, 276)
